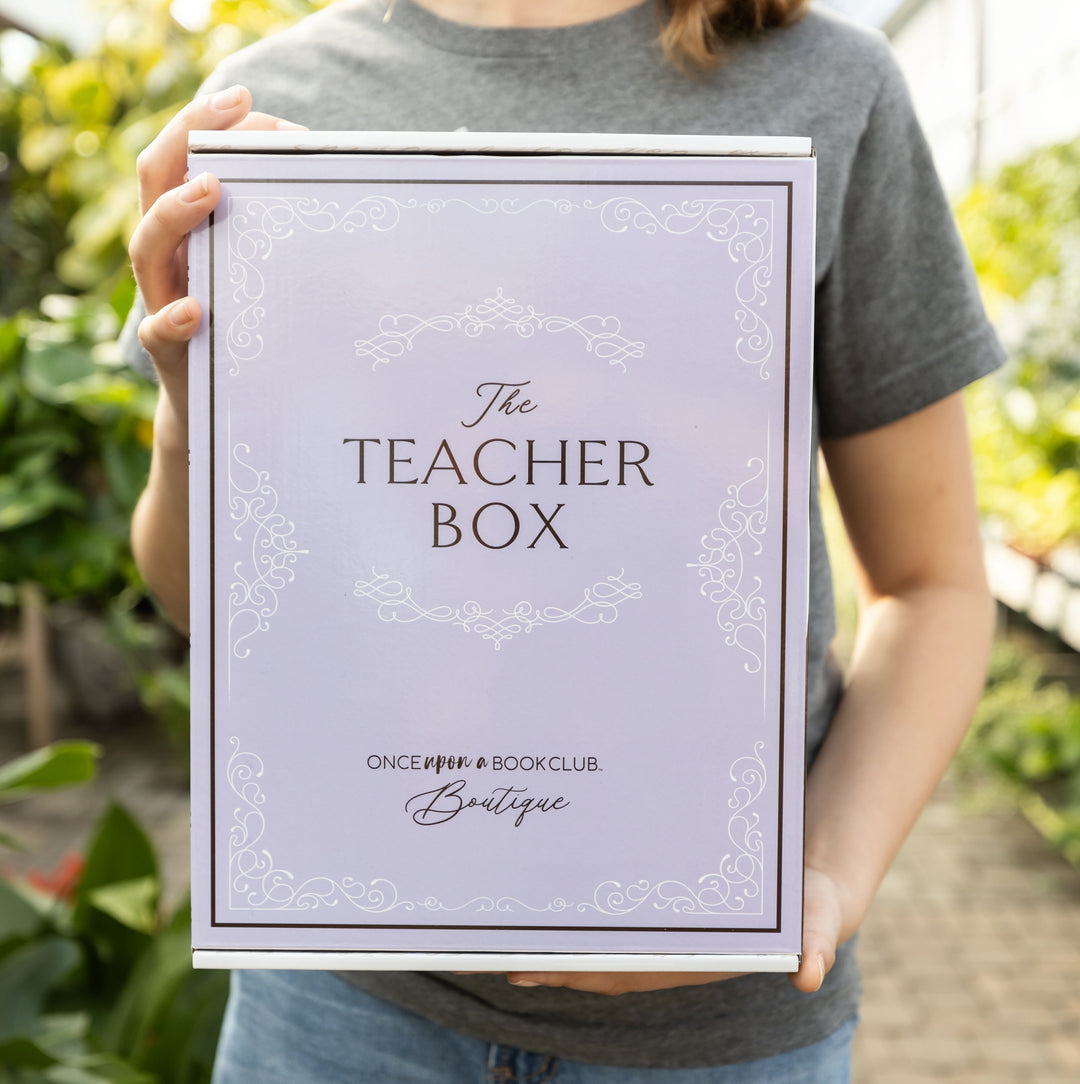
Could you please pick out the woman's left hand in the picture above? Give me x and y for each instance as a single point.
(822, 921)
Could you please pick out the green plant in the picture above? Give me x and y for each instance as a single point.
(75, 433)
(1023, 231)
(71, 130)
(74, 450)
(95, 983)
(1026, 733)
(75, 426)
(61, 764)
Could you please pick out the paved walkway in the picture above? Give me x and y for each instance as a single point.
(971, 953)
(971, 958)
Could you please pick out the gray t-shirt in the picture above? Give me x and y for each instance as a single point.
(899, 326)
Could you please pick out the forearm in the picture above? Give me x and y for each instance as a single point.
(159, 527)
(917, 672)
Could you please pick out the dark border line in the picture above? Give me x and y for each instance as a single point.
(415, 926)
(488, 180)
(405, 152)
(784, 566)
(213, 592)
(783, 595)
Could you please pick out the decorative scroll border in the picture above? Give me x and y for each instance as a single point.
(727, 561)
(598, 606)
(744, 226)
(256, 881)
(267, 567)
(601, 334)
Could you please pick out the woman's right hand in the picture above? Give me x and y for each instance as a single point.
(172, 206)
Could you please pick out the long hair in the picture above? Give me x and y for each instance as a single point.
(694, 32)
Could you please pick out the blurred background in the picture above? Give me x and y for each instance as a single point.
(972, 952)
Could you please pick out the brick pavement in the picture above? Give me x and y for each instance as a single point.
(971, 954)
(971, 958)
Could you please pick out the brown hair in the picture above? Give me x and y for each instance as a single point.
(693, 32)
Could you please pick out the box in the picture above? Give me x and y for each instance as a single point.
(500, 455)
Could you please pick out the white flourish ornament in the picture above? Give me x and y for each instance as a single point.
(744, 226)
(601, 334)
(257, 223)
(726, 561)
(598, 606)
(254, 878)
(267, 566)
(257, 882)
(732, 888)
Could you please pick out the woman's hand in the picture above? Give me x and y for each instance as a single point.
(616, 982)
(823, 919)
(822, 922)
(172, 206)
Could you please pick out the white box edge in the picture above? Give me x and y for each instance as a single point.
(304, 959)
(341, 142)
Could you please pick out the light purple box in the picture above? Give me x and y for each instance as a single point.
(499, 532)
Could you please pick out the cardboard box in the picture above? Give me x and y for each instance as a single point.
(499, 530)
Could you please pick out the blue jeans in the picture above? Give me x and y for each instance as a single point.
(311, 1027)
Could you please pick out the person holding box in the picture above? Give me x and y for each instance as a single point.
(899, 331)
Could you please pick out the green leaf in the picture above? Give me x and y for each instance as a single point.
(63, 1034)
(126, 466)
(27, 976)
(13, 843)
(21, 504)
(51, 367)
(168, 1017)
(61, 764)
(183, 1044)
(24, 1054)
(18, 918)
(118, 852)
(132, 903)
(98, 1069)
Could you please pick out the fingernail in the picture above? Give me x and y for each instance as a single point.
(227, 99)
(180, 314)
(195, 189)
(821, 969)
(523, 982)
(289, 126)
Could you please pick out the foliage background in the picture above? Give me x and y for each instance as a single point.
(75, 423)
(1022, 229)
(95, 977)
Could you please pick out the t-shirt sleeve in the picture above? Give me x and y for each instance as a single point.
(899, 321)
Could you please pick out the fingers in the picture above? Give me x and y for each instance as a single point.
(165, 335)
(172, 208)
(164, 162)
(613, 983)
(156, 245)
(823, 920)
(598, 982)
(811, 974)
(267, 122)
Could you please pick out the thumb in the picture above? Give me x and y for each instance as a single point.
(811, 974)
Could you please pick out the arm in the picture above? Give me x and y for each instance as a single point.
(926, 619)
(172, 207)
(906, 494)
